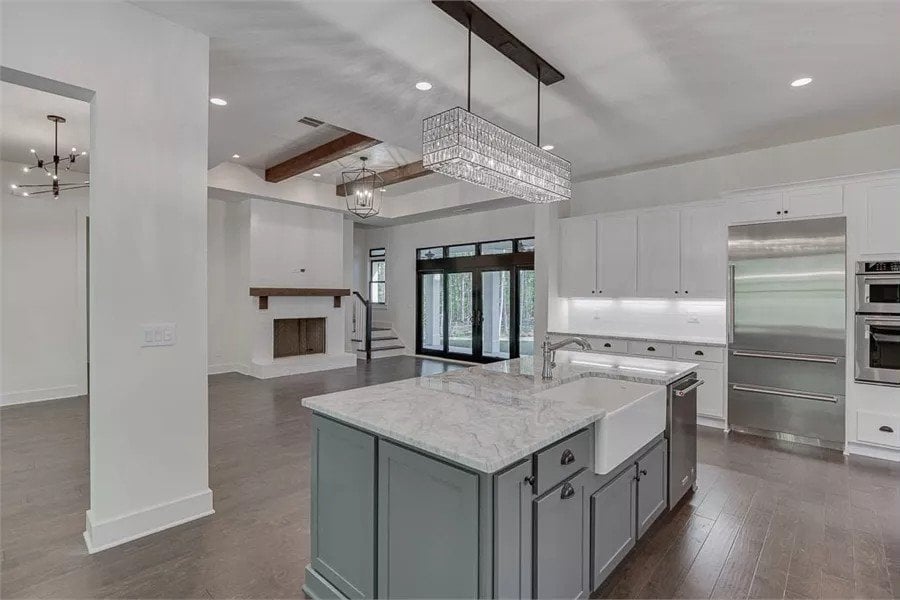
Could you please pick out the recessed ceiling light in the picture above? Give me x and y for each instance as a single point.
(801, 82)
(235, 156)
(382, 190)
(547, 147)
(423, 86)
(218, 101)
(13, 186)
(317, 174)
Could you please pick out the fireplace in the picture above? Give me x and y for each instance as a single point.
(298, 337)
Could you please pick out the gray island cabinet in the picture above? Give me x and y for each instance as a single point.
(391, 521)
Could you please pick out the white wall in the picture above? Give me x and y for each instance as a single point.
(224, 283)
(644, 317)
(401, 241)
(848, 154)
(44, 296)
(148, 81)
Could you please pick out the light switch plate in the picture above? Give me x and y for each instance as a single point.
(158, 334)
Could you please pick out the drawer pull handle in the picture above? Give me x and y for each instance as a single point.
(699, 352)
(607, 345)
(886, 429)
(568, 457)
(567, 491)
(651, 349)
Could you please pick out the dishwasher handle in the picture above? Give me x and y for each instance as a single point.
(685, 391)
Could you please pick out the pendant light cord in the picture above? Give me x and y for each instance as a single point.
(469, 80)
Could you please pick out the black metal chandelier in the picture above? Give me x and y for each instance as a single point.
(51, 168)
(364, 189)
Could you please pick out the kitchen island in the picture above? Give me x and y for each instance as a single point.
(488, 481)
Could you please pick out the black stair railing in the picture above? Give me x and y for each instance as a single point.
(367, 329)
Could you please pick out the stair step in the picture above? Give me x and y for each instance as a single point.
(380, 348)
(376, 339)
(381, 329)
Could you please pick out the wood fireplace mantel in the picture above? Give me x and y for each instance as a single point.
(264, 292)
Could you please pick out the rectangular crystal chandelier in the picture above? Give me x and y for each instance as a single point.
(467, 147)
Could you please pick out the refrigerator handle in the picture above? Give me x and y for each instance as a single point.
(730, 317)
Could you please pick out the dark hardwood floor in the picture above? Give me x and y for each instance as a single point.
(771, 519)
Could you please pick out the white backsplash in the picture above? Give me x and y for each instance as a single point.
(642, 317)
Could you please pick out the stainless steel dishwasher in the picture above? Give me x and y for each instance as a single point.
(681, 430)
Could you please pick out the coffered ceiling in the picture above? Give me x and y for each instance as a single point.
(647, 83)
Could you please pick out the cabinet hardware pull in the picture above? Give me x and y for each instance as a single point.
(568, 457)
(782, 392)
(685, 291)
(797, 357)
(607, 345)
(529, 480)
(676, 291)
(643, 471)
(599, 291)
(785, 212)
(651, 349)
(699, 352)
(567, 491)
(886, 429)
(778, 213)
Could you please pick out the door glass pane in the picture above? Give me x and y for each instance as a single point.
(526, 313)
(430, 253)
(495, 307)
(466, 250)
(432, 311)
(526, 245)
(460, 314)
(884, 346)
(504, 247)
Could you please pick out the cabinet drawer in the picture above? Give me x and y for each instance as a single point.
(700, 353)
(876, 428)
(606, 345)
(562, 460)
(659, 349)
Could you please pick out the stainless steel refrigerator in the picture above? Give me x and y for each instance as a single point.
(787, 329)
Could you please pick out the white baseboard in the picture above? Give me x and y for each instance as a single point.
(882, 452)
(101, 535)
(712, 422)
(54, 393)
(222, 368)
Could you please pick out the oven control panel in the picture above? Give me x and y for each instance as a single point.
(885, 266)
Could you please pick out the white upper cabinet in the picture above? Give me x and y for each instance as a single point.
(617, 256)
(813, 202)
(658, 252)
(577, 257)
(704, 251)
(881, 200)
(756, 207)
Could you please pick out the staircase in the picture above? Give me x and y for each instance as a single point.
(381, 341)
(384, 343)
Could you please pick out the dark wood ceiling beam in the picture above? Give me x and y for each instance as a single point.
(321, 155)
(395, 175)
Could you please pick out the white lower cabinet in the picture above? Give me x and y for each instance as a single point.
(711, 395)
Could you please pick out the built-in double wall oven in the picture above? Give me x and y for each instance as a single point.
(878, 322)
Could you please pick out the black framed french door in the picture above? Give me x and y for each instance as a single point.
(474, 313)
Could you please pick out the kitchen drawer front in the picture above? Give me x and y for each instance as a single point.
(821, 375)
(757, 408)
(700, 353)
(562, 460)
(876, 428)
(608, 345)
(660, 349)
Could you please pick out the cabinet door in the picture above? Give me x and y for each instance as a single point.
(613, 527)
(756, 208)
(560, 542)
(882, 215)
(577, 258)
(617, 256)
(651, 487)
(711, 395)
(420, 501)
(814, 202)
(658, 248)
(342, 526)
(704, 251)
(512, 532)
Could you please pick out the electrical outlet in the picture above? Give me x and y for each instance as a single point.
(158, 334)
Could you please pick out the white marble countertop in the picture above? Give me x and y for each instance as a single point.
(488, 417)
(679, 339)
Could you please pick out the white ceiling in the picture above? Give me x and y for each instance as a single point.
(24, 125)
(647, 82)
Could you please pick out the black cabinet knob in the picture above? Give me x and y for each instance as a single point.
(599, 291)
(530, 480)
(567, 491)
(778, 212)
(886, 429)
(568, 457)
(699, 352)
(607, 345)
(643, 471)
(651, 349)
(685, 291)
(785, 212)
(676, 291)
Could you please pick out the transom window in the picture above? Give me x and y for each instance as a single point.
(477, 249)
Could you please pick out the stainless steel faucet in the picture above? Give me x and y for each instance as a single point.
(548, 349)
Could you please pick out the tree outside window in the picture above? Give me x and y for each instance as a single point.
(377, 265)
